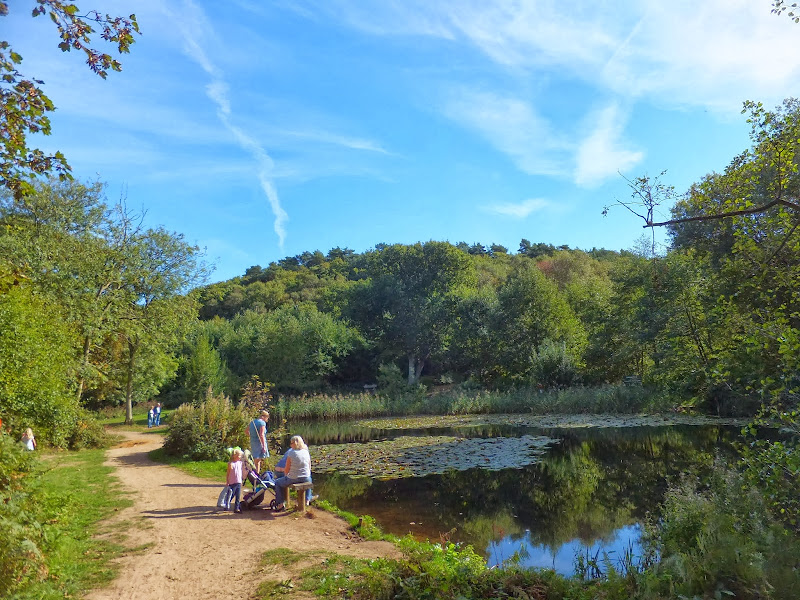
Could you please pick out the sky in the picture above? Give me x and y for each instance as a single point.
(263, 129)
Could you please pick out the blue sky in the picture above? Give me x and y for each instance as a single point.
(263, 129)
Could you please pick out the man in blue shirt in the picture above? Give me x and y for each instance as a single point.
(258, 439)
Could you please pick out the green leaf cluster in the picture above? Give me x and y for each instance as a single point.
(24, 104)
(92, 307)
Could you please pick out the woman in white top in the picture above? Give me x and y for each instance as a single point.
(297, 469)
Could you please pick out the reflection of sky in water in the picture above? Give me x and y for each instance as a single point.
(562, 559)
(583, 490)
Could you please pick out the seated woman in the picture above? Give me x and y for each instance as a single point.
(281, 468)
(296, 470)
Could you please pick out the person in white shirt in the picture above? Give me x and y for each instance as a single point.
(297, 470)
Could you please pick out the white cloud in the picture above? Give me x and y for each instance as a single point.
(521, 210)
(513, 127)
(713, 54)
(601, 155)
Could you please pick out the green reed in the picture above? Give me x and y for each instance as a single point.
(616, 399)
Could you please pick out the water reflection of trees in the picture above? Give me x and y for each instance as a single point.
(587, 487)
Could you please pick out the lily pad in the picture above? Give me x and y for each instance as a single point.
(547, 421)
(417, 456)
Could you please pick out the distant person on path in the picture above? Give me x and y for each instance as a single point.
(28, 439)
(258, 439)
(297, 470)
(234, 478)
(157, 414)
(151, 416)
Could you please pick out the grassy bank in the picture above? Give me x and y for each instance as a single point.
(52, 517)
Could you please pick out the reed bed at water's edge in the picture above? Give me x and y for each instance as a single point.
(617, 399)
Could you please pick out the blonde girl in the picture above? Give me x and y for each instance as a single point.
(235, 477)
(28, 439)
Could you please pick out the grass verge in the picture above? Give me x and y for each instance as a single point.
(77, 494)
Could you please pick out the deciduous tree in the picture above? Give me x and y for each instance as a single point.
(23, 104)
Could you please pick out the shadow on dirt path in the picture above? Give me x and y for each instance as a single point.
(196, 551)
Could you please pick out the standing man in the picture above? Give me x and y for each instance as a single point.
(258, 439)
(157, 411)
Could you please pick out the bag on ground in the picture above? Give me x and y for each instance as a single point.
(224, 500)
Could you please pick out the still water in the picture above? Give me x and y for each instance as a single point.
(587, 495)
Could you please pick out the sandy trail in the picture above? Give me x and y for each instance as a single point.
(196, 551)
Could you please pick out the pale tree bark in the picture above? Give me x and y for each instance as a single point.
(415, 366)
(129, 383)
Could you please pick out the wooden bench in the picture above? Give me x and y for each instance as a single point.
(300, 488)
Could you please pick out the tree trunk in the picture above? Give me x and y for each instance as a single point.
(84, 362)
(129, 384)
(415, 366)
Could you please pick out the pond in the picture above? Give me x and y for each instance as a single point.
(540, 489)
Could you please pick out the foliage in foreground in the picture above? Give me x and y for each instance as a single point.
(444, 572)
(720, 540)
(49, 547)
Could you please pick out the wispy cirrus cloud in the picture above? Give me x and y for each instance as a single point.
(334, 139)
(696, 53)
(713, 54)
(512, 126)
(520, 210)
(537, 147)
(602, 153)
(673, 55)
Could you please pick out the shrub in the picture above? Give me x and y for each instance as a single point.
(86, 432)
(21, 559)
(720, 541)
(553, 366)
(203, 431)
(36, 366)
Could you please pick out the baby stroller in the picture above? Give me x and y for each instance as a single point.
(261, 484)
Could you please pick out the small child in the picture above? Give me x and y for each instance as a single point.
(28, 439)
(234, 478)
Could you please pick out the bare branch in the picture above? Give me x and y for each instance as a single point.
(732, 213)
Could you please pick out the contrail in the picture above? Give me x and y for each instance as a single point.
(192, 22)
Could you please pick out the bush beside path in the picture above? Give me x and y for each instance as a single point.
(191, 550)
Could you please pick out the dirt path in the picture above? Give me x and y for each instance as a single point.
(195, 551)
